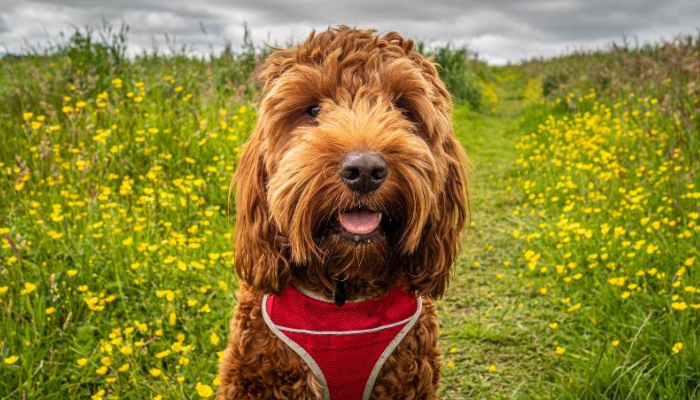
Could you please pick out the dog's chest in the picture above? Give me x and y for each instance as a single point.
(345, 347)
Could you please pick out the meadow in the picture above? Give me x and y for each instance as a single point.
(578, 280)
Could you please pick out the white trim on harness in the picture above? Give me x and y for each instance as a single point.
(313, 366)
(370, 330)
(369, 386)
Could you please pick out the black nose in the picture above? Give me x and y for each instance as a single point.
(363, 171)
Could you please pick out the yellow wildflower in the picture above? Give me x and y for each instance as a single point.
(11, 360)
(28, 288)
(677, 347)
(163, 354)
(574, 307)
(214, 338)
(680, 306)
(204, 390)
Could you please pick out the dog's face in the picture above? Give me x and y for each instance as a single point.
(353, 169)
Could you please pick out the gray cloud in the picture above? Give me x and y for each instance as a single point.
(499, 30)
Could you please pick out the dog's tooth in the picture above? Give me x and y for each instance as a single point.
(357, 238)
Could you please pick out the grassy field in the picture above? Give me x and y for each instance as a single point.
(578, 280)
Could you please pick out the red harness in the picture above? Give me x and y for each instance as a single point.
(345, 347)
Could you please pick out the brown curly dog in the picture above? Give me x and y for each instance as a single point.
(351, 196)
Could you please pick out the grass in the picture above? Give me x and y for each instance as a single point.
(607, 232)
(578, 278)
(491, 325)
(608, 223)
(116, 265)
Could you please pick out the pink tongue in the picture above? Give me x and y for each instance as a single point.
(360, 221)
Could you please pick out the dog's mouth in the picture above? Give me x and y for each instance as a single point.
(359, 223)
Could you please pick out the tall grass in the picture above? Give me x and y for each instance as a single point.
(115, 267)
(668, 71)
(88, 61)
(608, 229)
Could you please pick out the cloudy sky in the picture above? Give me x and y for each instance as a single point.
(499, 30)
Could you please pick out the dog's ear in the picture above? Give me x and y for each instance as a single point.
(258, 259)
(430, 264)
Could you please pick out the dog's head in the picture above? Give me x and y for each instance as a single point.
(353, 169)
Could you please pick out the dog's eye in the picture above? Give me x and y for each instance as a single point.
(313, 110)
(404, 110)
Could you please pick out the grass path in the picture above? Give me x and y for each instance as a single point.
(489, 329)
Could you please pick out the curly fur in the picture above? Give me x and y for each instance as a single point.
(377, 93)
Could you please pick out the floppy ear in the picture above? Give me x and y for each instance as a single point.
(259, 259)
(429, 265)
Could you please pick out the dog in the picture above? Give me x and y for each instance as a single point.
(351, 196)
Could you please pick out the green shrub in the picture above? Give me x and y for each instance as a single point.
(455, 70)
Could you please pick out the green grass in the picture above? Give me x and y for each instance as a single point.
(115, 223)
(115, 264)
(550, 187)
(608, 228)
(488, 317)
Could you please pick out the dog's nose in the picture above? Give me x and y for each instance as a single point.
(363, 171)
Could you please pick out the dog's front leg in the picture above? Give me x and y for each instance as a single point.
(256, 364)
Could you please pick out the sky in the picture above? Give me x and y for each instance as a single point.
(498, 30)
